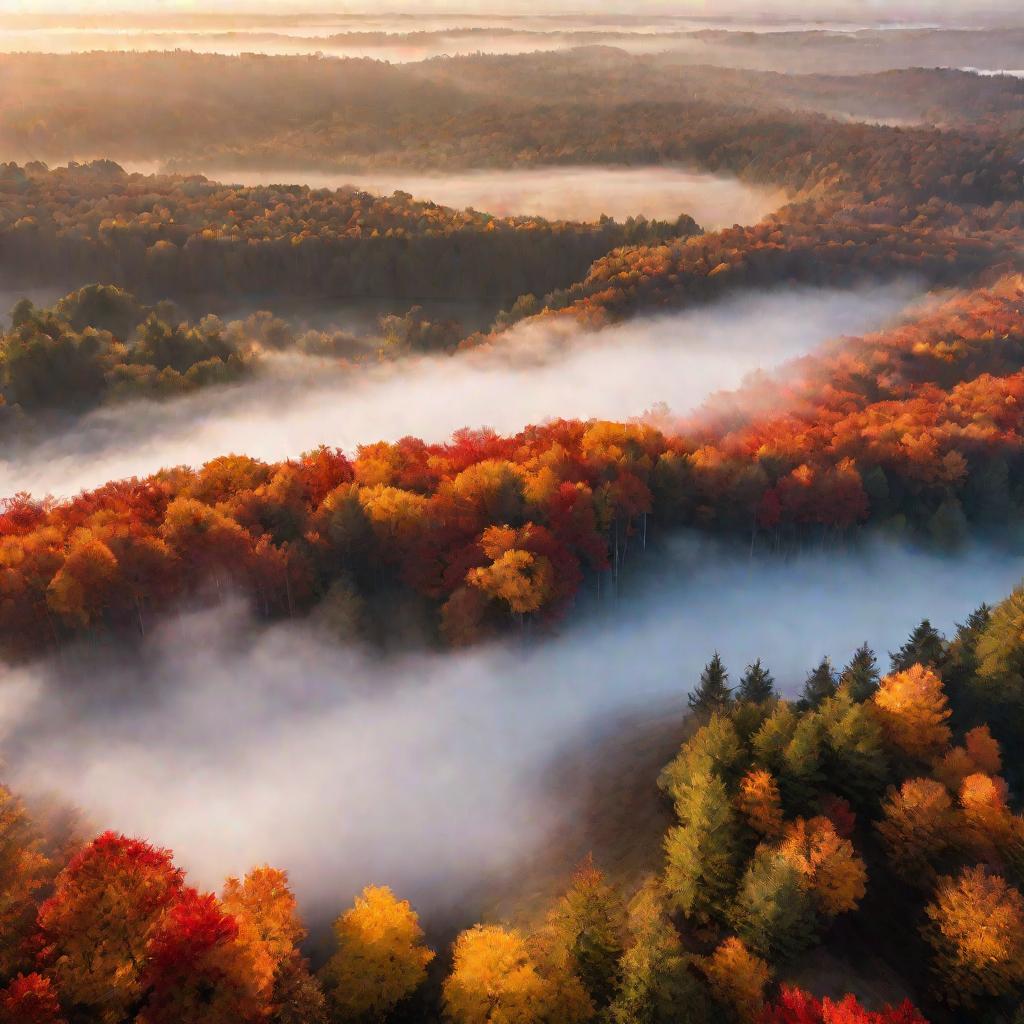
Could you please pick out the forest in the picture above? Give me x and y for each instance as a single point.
(498, 596)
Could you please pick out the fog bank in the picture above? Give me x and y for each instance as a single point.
(237, 745)
(539, 370)
(556, 193)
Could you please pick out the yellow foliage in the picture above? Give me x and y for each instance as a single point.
(737, 978)
(918, 823)
(520, 578)
(381, 957)
(912, 709)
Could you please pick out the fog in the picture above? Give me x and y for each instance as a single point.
(537, 370)
(237, 745)
(557, 193)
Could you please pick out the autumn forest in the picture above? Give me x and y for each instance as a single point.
(512, 518)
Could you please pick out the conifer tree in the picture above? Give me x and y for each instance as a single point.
(925, 646)
(657, 986)
(802, 772)
(713, 692)
(588, 925)
(820, 685)
(774, 911)
(757, 684)
(861, 675)
(700, 852)
(856, 764)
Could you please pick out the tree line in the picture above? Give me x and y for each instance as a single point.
(916, 431)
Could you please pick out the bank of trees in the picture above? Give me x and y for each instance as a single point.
(174, 235)
(917, 431)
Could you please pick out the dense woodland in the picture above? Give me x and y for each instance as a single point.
(872, 819)
(916, 431)
(875, 816)
(185, 235)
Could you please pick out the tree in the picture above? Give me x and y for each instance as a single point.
(264, 909)
(774, 913)
(494, 980)
(976, 931)
(925, 646)
(714, 747)
(756, 685)
(802, 772)
(861, 676)
(833, 873)
(24, 870)
(760, 803)
(913, 711)
(919, 827)
(30, 999)
(794, 1006)
(856, 764)
(713, 692)
(657, 986)
(96, 928)
(820, 684)
(588, 925)
(738, 978)
(380, 959)
(700, 852)
(197, 972)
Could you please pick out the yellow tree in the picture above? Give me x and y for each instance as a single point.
(833, 873)
(760, 803)
(976, 930)
(494, 980)
(913, 712)
(737, 978)
(381, 958)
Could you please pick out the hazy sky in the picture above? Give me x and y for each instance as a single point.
(867, 9)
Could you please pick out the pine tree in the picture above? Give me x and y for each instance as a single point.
(861, 675)
(657, 986)
(820, 685)
(700, 852)
(856, 764)
(713, 692)
(588, 924)
(802, 773)
(757, 684)
(774, 911)
(925, 646)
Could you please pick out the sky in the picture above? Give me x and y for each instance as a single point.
(868, 9)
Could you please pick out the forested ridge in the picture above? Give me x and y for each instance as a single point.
(173, 235)
(884, 801)
(916, 431)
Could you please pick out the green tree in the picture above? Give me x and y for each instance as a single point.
(855, 764)
(770, 741)
(657, 985)
(589, 925)
(713, 692)
(802, 772)
(820, 684)
(714, 747)
(774, 912)
(757, 684)
(861, 675)
(925, 646)
(701, 853)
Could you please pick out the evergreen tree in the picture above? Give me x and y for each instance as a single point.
(588, 924)
(861, 675)
(925, 646)
(770, 741)
(701, 851)
(802, 774)
(774, 911)
(820, 685)
(713, 692)
(657, 986)
(856, 765)
(713, 747)
(757, 684)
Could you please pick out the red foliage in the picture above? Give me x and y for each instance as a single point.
(794, 1006)
(30, 999)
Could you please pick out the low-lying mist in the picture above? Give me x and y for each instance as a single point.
(539, 370)
(236, 744)
(556, 193)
